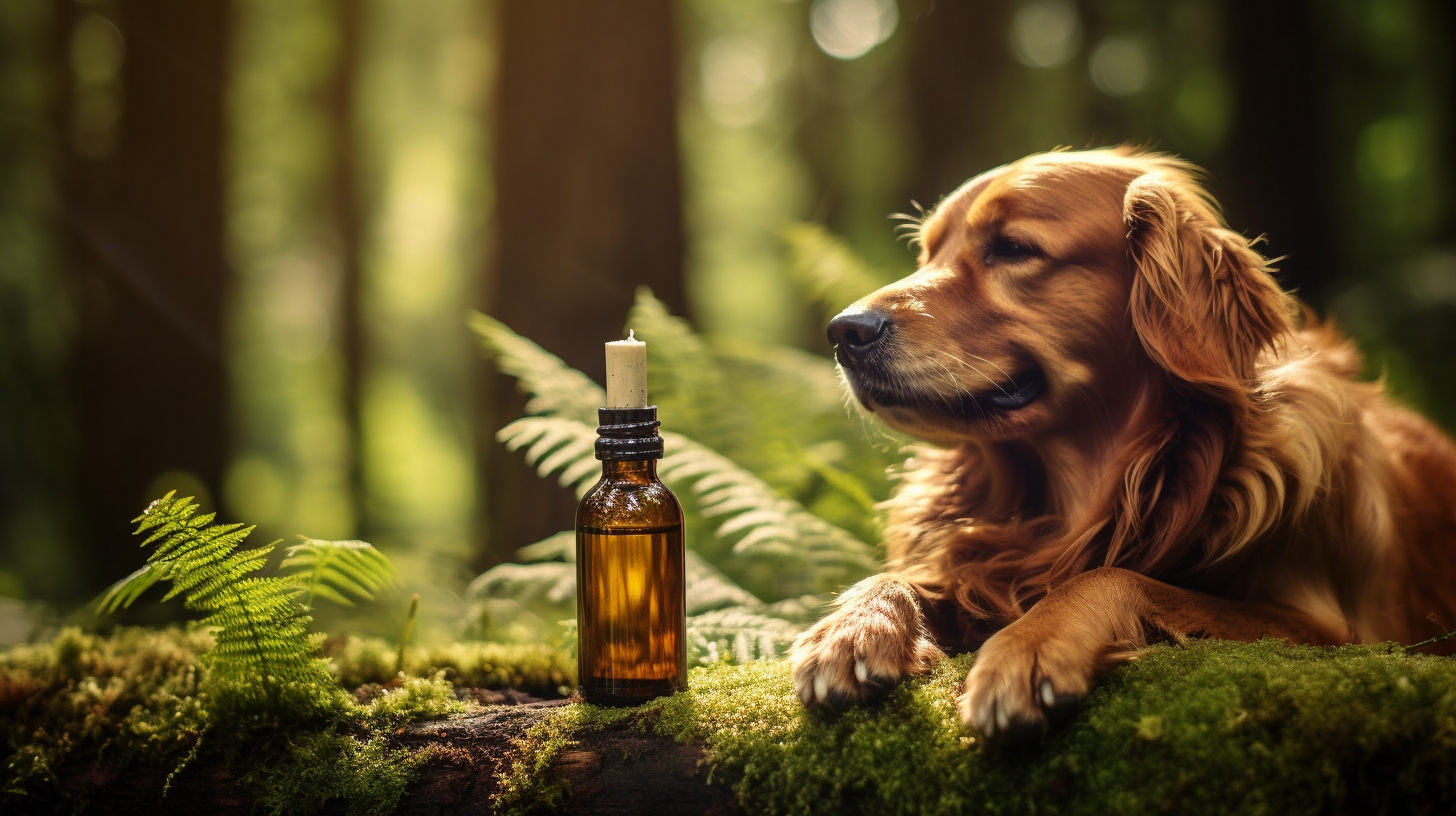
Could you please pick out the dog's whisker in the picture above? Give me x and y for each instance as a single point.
(999, 387)
(998, 368)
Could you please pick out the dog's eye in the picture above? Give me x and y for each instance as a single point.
(1003, 247)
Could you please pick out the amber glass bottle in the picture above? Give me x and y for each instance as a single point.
(631, 625)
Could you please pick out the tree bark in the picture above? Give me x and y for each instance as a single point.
(347, 212)
(588, 208)
(145, 230)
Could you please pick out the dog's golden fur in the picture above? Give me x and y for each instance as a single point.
(1179, 449)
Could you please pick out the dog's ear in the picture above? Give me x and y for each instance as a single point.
(1203, 302)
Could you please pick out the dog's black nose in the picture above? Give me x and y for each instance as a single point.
(856, 331)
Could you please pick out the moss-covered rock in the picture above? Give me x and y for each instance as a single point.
(1207, 728)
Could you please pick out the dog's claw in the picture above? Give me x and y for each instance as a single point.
(861, 671)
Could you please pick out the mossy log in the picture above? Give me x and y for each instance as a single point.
(98, 725)
(1205, 728)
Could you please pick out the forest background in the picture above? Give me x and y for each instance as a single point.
(239, 239)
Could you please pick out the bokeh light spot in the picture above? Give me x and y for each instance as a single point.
(97, 49)
(735, 73)
(1202, 110)
(1045, 33)
(1119, 66)
(848, 29)
(1390, 150)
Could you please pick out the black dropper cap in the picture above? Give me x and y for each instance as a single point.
(628, 434)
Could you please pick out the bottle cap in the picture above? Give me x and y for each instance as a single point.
(628, 434)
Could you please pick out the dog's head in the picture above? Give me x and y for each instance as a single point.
(1056, 286)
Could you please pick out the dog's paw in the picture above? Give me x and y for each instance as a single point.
(1026, 677)
(875, 637)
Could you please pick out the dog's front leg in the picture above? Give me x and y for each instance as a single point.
(875, 636)
(1044, 662)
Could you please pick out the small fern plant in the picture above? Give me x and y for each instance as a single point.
(263, 655)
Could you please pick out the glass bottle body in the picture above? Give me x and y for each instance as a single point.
(630, 611)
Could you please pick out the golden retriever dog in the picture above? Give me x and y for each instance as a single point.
(1137, 436)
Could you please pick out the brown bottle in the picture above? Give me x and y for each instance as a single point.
(631, 626)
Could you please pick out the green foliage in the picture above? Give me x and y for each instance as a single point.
(830, 273)
(556, 389)
(262, 652)
(1212, 727)
(757, 522)
(341, 571)
(778, 483)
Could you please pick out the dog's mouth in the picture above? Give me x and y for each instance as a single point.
(1013, 394)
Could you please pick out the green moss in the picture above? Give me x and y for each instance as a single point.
(143, 701)
(528, 784)
(333, 773)
(534, 668)
(417, 698)
(133, 698)
(1211, 727)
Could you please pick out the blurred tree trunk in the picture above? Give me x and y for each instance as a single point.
(1280, 67)
(954, 103)
(588, 208)
(36, 324)
(347, 212)
(144, 212)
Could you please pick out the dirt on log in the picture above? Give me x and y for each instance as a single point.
(616, 769)
(612, 770)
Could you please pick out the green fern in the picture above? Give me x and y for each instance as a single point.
(723, 619)
(340, 571)
(755, 519)
(829, 272)
(778, 484)
(261, 642)
(556, 389)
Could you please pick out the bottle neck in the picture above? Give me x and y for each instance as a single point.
(630, 470)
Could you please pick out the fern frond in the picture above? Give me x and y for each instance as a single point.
(802, 384)
(777, 521)
(740, 633)
(556, 389)
(125, 592)
(688, 382)
(763, 522)
(564, 444)
(552, 582)
(261, 638)
(558, 547)
(827, 269)
(341, 571)
(718, 609)
(709, 589)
